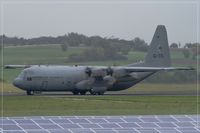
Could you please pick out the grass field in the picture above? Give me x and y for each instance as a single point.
(104, 105)
(98, 105)
(44, 54)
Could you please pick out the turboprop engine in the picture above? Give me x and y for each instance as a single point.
(85, 84)
(99, 79)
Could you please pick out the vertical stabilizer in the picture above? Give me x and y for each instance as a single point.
(158, 53)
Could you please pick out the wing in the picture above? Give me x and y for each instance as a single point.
(16, 66)
(154, 69)
(119, 71)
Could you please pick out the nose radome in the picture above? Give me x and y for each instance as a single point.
(17, 82)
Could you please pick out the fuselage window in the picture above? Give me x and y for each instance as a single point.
(29, 79)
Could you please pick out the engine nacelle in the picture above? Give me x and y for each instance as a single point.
(98, 72)
(84, 84)
(109, 79)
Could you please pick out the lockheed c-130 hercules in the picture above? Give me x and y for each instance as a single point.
(97, 79)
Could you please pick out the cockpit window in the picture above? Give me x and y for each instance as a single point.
(29, 79)
(30, 72)
(21, 75)
(26, 75)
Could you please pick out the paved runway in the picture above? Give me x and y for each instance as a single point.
(106, 94)
(101, 124)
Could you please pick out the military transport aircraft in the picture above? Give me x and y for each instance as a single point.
(97, 79)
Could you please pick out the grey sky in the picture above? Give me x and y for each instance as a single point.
(124, 20)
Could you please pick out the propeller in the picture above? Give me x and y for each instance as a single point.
(109, 71)
(96, 75)
(88, 71)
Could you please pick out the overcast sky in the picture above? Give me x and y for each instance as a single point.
(122, 19)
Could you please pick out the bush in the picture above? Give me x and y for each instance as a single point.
(96, 54)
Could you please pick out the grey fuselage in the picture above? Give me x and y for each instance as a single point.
(65, 78)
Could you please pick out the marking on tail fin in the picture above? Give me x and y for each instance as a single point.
(159, 52)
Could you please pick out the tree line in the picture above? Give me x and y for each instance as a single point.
(74, 39)
(189, 50)
(98, 48)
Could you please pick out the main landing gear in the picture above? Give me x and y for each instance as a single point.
(96, 93)
(29, 92)
(79, 92)
(76, 92)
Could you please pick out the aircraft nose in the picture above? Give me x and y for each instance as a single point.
(17, 82)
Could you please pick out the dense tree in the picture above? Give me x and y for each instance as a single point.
(194, 48)
(188, 45)
(139, 45)
(97, 54)
(75, 39)
(174, 45)
(64, 43)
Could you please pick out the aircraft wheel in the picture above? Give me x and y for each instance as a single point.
(100, 93)
(82, 92)
(92, 92)
(29, 92)
(75, 92)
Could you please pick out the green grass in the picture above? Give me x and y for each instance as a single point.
(10, 74)
(176, 54)
(98, 105)
(44, 54)
(150, 88)
(104, 105)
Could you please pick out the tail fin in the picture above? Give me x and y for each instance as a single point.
(158, 53)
